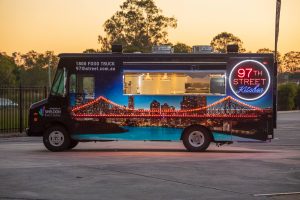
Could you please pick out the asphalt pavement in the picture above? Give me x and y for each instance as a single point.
(154, 170)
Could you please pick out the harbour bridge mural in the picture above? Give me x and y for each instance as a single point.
(227, 107)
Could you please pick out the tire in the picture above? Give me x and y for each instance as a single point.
(73, 144)
(196, 139)
(56, 138)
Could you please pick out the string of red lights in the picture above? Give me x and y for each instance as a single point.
(77, 108)
(165, 116)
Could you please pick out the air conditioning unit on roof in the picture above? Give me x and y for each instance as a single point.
(162, 49)
(202, 49)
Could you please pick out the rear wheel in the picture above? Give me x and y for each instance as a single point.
(196, 139)
(56, 138)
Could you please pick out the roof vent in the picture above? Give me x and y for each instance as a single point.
(202, 49)
(162, 49)
(232, 48)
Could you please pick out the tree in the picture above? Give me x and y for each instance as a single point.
(138, 25)
(267, 50)
(182, 48)
(8, 70)
(291, 61)
(34, 67)
(279, 58)
(220, 42)
(286, 96)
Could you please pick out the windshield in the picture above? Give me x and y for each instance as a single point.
(58, 86)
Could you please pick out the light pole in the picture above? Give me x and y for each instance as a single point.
(277, 19)
(49, 73)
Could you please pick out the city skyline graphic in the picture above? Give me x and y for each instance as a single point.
(189, 105)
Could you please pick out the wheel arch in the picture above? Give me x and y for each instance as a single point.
(57, 123)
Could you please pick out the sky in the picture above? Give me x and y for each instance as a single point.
(74, 25)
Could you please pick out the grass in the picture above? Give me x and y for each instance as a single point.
(10, 119)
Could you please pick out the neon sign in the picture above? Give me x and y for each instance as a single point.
(249, 80)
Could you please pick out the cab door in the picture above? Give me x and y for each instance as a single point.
(56, 109)
(58, 93)
(82, 91)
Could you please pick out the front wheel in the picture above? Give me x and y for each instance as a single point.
(196, 139)
(56, 138)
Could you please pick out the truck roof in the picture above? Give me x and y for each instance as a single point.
(164, 55)
(209, 59)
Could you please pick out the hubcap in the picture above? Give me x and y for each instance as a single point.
(56, 138)
(196, 138)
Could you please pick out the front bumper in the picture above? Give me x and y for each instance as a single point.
(29, 132)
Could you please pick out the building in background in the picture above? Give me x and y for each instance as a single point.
(131, 102)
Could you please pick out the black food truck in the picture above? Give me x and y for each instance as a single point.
(196, 98)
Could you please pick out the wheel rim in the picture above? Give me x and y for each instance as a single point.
(196, 138)
(56, 138)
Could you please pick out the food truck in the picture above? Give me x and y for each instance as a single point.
(196, 98)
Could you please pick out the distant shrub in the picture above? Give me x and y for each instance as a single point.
(287, 96)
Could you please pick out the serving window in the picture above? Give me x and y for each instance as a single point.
(174, 82)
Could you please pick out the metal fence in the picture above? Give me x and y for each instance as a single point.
(14, 106)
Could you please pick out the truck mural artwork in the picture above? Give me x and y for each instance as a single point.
(198, 98)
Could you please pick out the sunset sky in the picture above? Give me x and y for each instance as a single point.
(73, 25)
